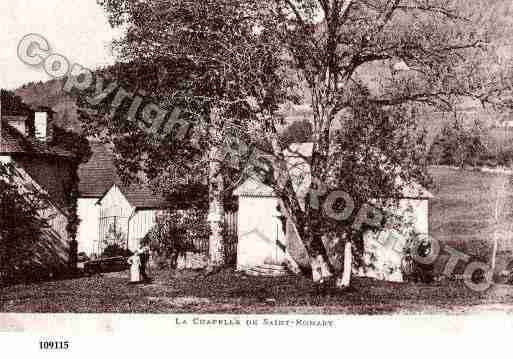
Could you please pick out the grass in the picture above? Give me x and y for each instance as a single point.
(462, 214)
(235, 293)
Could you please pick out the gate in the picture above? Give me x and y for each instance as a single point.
(230, 226)
(113, 229)
(201, 245)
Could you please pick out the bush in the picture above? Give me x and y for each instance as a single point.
(414, 271)
(115, 250)
(458, 146)
(107, 265)
(114, 241)
(21, 226)
(176, 233)
(298, 131)
(82, 257)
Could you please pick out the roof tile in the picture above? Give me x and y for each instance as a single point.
(99, 174)
(12, 142)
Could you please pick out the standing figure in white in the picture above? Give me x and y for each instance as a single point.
(135, 268)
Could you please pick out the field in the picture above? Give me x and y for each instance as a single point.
(461, 215)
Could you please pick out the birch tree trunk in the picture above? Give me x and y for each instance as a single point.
(291, 208)
(321, 267)
(319, 262)
(496, 219)
(345, 280)
(217, 253)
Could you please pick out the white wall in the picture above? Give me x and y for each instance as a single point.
(140, 224)
(135, 225)
(258, 231)
(383, 251)
(41, 125)
(87, 236)
(417, 210)
(114, 204)
(256, 213)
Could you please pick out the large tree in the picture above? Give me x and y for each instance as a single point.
(361, 61)
(364, 64)
(202, 61)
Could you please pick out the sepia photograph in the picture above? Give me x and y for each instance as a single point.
(281, 164)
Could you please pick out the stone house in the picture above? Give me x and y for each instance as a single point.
(24, 144)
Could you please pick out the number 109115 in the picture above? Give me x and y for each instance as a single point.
(53, 345)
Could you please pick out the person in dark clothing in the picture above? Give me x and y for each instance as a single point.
(144, 253)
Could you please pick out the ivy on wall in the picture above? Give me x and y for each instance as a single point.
(78, 145)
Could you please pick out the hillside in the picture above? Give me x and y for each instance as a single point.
(50, 94)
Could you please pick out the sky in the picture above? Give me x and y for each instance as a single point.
(77, 29)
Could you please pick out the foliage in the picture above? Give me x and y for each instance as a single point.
(115, 239)
(70, 141)
(21, 225)
(297, 132)
(244, 59)
(388, 159)
(417, 246)
(79, 146)
(13, 104)
(115, 242)
(115, 250)
(178, 232)
(50, 94)
(208, 61)
(458, 146)
(394, 56)
(215, 64)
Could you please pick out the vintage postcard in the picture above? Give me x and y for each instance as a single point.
(298, 168)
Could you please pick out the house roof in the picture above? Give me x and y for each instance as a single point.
(99, 174)
(252, 187)
(298, 164)
(14, 142)
(26, 183)
(139, 196)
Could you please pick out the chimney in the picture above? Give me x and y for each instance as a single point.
(3, 158)
(41, 126)
(1, 146)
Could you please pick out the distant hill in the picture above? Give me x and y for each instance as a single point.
(50, 94)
